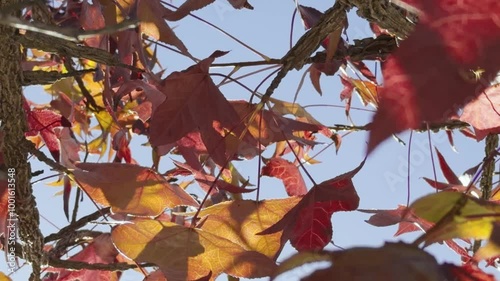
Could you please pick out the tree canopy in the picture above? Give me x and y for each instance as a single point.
(192, 212)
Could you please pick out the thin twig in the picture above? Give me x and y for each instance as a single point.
(76, 225)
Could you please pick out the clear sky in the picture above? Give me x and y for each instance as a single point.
(381, 184)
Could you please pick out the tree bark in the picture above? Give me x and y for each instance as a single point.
(15, 156)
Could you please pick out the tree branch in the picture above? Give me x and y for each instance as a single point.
(76, 225)
(78, 265)
(385, 14)
(491, 145)
(330, 21)
(435, 127)
(28, 146)
(67, 34)
(55, 45)
(41, 77)
(15, 156)
(364, 49)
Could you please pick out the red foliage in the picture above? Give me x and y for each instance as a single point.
(454, 37)
(308, 225)
(446, 64)
(288, 173)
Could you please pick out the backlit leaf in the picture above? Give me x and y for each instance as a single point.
(287, 172)
(184, 253)
(241, 220)
(431, 75)
(130, 189)
(308, 225)
(483, 113)
(474, 219)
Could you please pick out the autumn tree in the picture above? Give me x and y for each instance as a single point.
(98, 63)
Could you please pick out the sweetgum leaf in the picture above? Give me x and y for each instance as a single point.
(466, 272)
(483, 113)
(43, 122)
(474, 220)
(407, 220)
(287, 172)
(308, 225)
(448, 173)
(429, 77)
(194, 102)
(101, 250)
(192, 5)
(241, 220)
(184, 253)
(269, 127)
(4, 203)
(392, 262)
(150, 13)
(130, 189)
(186, 7)
(91, 18)
(492, 248)
(206, 181)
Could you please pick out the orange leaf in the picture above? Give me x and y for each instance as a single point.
(184, 253)
(240, 221)
(130, 189)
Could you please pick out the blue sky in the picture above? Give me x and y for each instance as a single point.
(381, 184)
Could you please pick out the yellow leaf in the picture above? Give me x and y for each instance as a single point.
(4, 277)
(474, 219)
(240, 220)
(184, 253)
(129, 189)
(367, 90)
(492, 248)
(283, 108)
(435, 206)
(149, 13)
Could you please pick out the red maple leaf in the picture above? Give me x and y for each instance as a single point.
(483, 113)
(43, 122)
(288, 173)
(430, 76)
(466, 272)
(206, 181)
(101, 250)
(308, 225)
(193, 103)
(407, 220)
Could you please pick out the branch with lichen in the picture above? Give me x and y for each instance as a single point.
(363, 49)
(435, 126)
